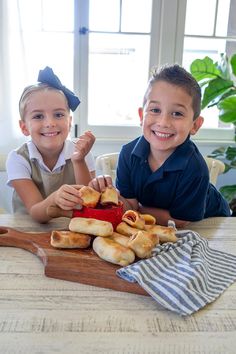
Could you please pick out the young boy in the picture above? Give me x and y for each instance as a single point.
(162, 172)
(48, 168)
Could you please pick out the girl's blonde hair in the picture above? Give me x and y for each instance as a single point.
(35, 88)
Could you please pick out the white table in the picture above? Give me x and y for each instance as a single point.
(45, 315)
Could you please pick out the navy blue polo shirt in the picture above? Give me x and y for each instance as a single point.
(181, 185)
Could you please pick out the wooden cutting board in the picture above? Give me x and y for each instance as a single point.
(82, 266)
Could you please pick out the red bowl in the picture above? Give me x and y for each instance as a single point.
(113, 214)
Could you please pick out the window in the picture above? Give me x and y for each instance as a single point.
(210, 29)
(104, 50)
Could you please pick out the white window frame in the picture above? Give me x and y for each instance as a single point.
(165, 29)
(167, 38)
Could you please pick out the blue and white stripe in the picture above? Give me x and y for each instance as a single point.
(183, 276)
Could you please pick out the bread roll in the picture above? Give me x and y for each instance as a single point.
(109, 196)
(91, 226)
(134, 219)
(142, 243)
(149, 219)
(112, 251)
(89, 196)
(121, 239)
(165, 233)
(126, 229)
(68, 239)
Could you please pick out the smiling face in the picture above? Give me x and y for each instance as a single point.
(167, 117)
(47, 120)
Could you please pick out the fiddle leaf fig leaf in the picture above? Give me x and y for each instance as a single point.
(229, 192)
(215, 90)
(227, 109)
(231, 153)
(204, 69)
(233, 63)
(224, 66)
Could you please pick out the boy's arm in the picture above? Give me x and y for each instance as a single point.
(66, 197)
(82, 147)
(162, 216)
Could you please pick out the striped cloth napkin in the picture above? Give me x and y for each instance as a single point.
(183, 276)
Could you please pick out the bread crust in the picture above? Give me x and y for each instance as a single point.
(142, 243)
(91, 226)
(109, 196)
(165, 233)
(89, 196)
(68, 239)
(113, 252)
(134, 219)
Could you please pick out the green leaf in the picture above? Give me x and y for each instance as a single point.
(227, 109)
(215, 90)
(230, 153)
(229, 192)
(233, 63)
(204, 69)
(219, 152)
(224, 66)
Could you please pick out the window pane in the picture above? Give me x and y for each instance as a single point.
(29, 15)
(200, 17)
(198, 48)
(222, 18)
(58, 15)
(104, 15)
(118, 74)
(136, 15)
(38, 54)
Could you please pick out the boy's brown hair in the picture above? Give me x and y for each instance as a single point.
(178, 76)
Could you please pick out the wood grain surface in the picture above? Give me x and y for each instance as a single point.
(44, 315)
(82, 266)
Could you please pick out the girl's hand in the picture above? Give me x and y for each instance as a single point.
(82, 146)
(101, 182)
(67, 196)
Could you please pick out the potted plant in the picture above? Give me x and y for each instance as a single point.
(217, 81)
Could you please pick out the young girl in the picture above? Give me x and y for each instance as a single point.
(48, 168)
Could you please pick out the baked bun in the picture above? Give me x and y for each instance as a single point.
(109, 196)
(121, 239)
(91, 226)
(134, 219)
(112, 251)
(89, 196)
(142, 243)
(165, 233)
(125, 229)
(68, 239)
(149, 219)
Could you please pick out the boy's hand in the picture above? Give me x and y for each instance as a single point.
(82, 146)
(101, 182)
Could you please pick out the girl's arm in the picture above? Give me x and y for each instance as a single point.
(82, 148)
(66, 197)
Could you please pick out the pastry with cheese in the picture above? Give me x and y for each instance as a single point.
(142, 243)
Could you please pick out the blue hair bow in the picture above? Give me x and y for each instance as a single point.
(47, 76)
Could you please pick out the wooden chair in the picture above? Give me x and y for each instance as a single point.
(106, 164)
(216, 168)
